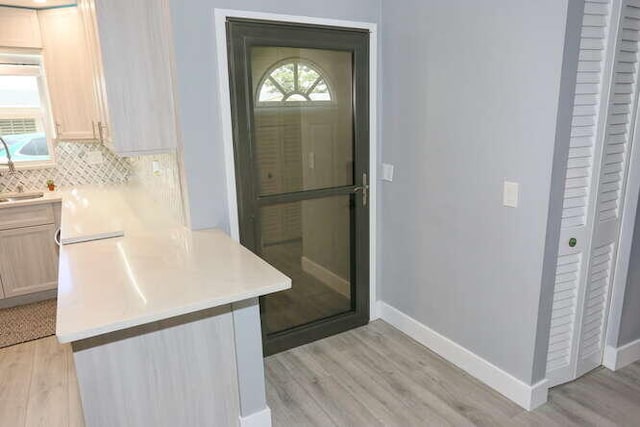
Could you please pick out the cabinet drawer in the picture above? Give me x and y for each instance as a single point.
(26, 216)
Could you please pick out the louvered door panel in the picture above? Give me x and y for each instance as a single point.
(595, 301)
(579, 198)
(612, 180)
(620, 115)
(564, 312)
(585, 115)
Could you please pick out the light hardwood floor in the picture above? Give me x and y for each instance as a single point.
(371, 376)
(38, 385)
(377, 376)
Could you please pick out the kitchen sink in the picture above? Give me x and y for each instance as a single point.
(14, 197)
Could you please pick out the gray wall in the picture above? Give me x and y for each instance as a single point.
(630, 320)
(470, 97)
(197, 75)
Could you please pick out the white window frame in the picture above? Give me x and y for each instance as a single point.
(30, 63)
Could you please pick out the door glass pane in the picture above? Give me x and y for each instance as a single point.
(309, 241)
(303, 134)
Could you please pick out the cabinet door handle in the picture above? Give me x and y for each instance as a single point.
(56, 237)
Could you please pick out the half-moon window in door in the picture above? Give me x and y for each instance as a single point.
(293, 81)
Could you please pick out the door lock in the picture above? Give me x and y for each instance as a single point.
(573, 242)
(364, 188)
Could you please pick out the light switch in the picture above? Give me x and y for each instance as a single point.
(387, 172)
(510, 196)
(94, 157)
(155, 168)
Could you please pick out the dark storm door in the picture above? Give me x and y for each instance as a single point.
(300, 105)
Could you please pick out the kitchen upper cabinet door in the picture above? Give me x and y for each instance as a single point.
(70, 74)
(28, 260)
(19, 28)
(87, 9)
(135, 44)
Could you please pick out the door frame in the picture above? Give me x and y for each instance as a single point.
(220, 16)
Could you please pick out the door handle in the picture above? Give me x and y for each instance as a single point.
(364, 188)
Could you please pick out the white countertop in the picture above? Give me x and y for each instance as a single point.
(157, 270)
(89, 214)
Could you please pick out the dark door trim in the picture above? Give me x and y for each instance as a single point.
(242, 34)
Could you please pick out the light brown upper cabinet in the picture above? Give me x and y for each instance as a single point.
(19, 28)
(68, 62)
(133, 72)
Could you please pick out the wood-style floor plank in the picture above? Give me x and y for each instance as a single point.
(76, 416)
(49, 391)
(450, 384)
(285, 392)
(16, 366)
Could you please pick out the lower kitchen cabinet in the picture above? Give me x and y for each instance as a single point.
(28, 260)
(28, 251)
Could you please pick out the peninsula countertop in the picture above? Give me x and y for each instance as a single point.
(153, 273)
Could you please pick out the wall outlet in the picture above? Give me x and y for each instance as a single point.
(387, 172)
(95, 158)
(510, 194)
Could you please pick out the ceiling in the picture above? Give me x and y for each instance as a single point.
(36, 5)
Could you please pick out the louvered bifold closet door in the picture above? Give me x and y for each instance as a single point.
(612, 179)
(579, 197)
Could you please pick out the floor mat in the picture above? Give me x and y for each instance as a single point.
(27, 322)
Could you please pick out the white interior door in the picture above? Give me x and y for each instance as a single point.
(621, 118)
(604, 114)
(585, 154)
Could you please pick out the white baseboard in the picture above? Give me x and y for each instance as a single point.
(326, 276)
(618, 357)
(525, 395)
(257, 419)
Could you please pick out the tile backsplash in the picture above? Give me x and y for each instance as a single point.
(162, 184)
(72, 168)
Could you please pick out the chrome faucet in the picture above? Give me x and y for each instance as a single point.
(12, 167)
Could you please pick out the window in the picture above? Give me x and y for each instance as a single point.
(24, 116)
(292, 82)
